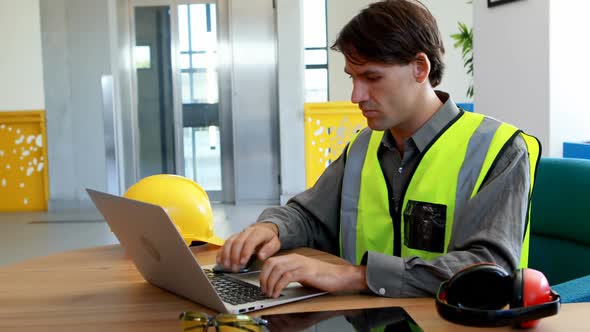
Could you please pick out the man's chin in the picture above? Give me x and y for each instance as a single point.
(376, 126)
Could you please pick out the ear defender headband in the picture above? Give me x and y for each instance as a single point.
(478, 294)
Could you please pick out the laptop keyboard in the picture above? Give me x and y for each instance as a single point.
(234, 291)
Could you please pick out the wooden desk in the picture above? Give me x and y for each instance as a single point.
(99, 289)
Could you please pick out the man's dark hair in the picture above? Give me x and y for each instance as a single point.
(393, 32)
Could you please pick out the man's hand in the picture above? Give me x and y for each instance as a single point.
(237, 250)
(277, 272)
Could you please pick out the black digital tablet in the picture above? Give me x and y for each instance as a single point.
(378, 319)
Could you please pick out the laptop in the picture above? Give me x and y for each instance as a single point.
(164, 260)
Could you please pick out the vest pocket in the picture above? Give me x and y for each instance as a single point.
(424, 226)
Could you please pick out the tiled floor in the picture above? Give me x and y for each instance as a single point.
(32, 234)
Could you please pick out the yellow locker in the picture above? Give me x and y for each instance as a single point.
(23, 161)
(328, 127)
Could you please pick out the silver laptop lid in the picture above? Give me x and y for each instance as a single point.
(157, 248)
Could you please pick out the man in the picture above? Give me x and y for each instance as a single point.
(423, 192)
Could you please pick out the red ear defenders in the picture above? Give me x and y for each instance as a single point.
(478, 294)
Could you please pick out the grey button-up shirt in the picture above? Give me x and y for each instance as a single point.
(489, 228)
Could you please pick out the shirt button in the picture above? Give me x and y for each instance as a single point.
(382, 291)
(399, 170)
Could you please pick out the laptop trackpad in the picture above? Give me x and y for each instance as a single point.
(254, 279)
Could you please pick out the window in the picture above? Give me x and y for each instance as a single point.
(197, 29)
(316, 50)
(143, 57)
(198, 53)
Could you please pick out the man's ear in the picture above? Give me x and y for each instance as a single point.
(421, 67)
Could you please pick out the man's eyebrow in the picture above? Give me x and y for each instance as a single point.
(365, 73)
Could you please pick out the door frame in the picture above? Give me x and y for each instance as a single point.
(227, 193)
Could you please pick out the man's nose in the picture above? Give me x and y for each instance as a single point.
(359, 93)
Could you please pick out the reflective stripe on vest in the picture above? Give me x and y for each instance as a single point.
(534, 150)
(462, 155)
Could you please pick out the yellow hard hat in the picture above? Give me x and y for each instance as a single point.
(186, 203)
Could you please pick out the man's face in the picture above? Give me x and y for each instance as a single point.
(385, 93)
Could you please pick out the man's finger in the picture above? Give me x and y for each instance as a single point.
(273, 277)
(249, 246)
(285, 279)
(264, 272)
(224, 258)
(282, 265)
(269, 248)
(267, 270)
(251, 239)
(236, 250)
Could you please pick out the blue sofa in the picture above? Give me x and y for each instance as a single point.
(560, 226)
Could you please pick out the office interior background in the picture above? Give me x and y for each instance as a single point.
(214, 90)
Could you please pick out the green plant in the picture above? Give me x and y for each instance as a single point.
(464, 41)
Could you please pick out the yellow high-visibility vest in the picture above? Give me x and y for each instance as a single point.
(450, 171)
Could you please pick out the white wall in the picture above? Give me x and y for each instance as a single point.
(75, 55)
(511, 61)
(447, 13)
(530, 68)
(21, 71)
(291, 96)
(569, 73)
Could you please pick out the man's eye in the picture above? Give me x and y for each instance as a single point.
(373, 78)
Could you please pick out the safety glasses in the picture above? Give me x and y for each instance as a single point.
(200, 322)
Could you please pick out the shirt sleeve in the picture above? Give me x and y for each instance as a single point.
(490, 228)
(311, 218)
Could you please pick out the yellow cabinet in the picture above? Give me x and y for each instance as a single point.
(328, 127)
(23, 161)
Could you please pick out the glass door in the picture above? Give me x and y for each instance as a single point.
(154, 90)
(177, 89)
(194, 76)
(198, 59)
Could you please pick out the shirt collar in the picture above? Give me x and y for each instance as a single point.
(429, 131)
